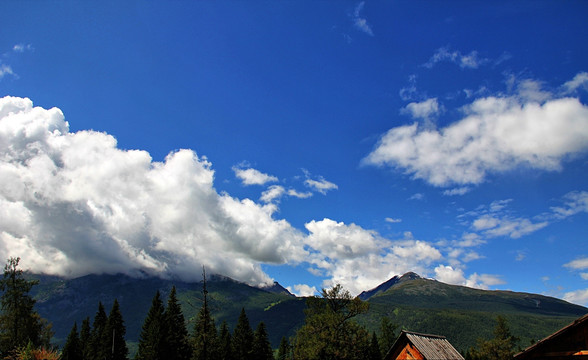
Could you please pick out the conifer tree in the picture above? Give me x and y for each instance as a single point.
(261, 348)
(387, 335)
(374, 350)
(115, 330)
(284, 350)
(177, 336)
(72, 350)
(98, 335)
(85, 338)
(205, 336)
(225, 342)
(19, 322)
(242, 338)
(501, 347)
(152, 344)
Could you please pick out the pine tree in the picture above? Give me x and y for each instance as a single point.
(284, 350)
(85, 337)
(387, 335)
(225, 343)
(177, 336)
(374, 351)
(72, 350)
(152, 344)
(115, 330)
(242, 338)
(205, 336)
(19, 322)
(98, 335)
(261, 348)
(501, 347)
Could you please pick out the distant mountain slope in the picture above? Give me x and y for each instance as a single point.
(465, 314)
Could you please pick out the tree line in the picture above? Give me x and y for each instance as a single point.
(329, 331)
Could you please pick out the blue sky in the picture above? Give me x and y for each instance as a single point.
(310, 143)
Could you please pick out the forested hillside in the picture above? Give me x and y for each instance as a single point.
(460, 313)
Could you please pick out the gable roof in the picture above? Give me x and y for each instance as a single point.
(432, 347)
(569, 340)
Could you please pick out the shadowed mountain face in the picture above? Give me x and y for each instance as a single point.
(414, 303)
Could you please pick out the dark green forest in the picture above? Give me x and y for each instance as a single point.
(224, 319)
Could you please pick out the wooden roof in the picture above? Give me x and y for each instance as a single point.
(570, 342)
(432, 347)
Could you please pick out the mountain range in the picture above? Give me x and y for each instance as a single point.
(412, 302)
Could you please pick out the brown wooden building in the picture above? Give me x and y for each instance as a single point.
(411, 345)
(569, 343)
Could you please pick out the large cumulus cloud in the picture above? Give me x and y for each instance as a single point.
(74, 203)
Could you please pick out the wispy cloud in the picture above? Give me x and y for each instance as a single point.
(6, 70)
(20, 48)
(464, 61)
(276, 192)
(252, 176)
(428, 111)
(393, 220)
(359, 21)
(320, 184)
(497, 134)
(580, 81)
(457, 191)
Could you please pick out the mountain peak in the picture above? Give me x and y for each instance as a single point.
(276, 288)
(388, 284)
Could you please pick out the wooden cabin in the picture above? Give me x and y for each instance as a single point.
(570, 342)
(411, 345)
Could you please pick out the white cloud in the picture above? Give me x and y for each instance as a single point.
(497, 134)
(276, 192)
(455, 276)
(321, 185)
(252, 176)
(393, 220)
(467, 61)
(74, 203)
(457, 191)
(577, 297)
(19, 48)
(302, 290)
(579, 81)
(360, 22)
(272, 193)
(578, 264)
(300, 195)
(360, 259)
(575, 202)
(5, 70)
(409, 92)
(417, 196)
(427, 110)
